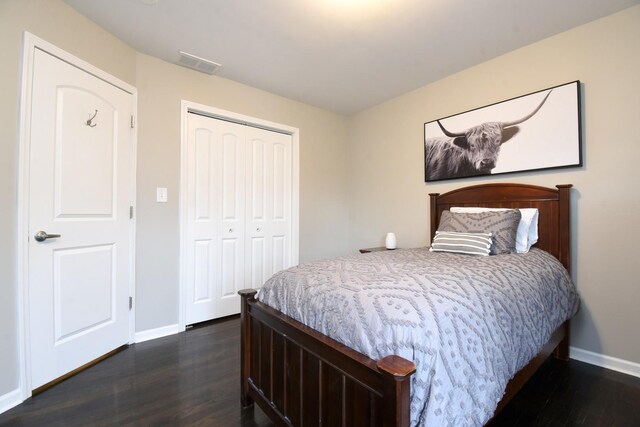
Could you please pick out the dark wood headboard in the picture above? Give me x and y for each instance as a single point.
(552, 203)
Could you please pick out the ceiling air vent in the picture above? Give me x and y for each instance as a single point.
(199, 64)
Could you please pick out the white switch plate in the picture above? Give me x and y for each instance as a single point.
(161, 195)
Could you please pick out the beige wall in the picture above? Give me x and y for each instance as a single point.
(57, 23)
(387, 186)
(323, 201)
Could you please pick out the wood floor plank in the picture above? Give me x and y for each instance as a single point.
(193, 379)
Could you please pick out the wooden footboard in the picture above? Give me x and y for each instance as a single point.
(300, 377)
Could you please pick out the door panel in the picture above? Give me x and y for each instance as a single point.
(279, 253)
(203, 229)
(279, 182)
(202, 282)
(84, 286)
(215, 197)
(233, 208)
(258, 180)
(229, 267)
(85, 156)
(269, 203)
(79, 188)
(204, 160)
(257, 267)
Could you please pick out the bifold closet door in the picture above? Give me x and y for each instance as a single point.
(268, 205)
(239, 209)
(216, 218)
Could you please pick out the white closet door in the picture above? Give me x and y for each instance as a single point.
(215, 217)
(239, 213)
(269, 222)
(232, 233)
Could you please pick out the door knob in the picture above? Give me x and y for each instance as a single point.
(41, 236)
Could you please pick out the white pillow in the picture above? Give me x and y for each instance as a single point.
(527, 228)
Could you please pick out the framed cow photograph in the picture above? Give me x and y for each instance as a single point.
(541, 130)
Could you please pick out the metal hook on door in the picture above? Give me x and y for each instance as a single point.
(88, 122)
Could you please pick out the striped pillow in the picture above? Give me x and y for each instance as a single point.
(462, 243)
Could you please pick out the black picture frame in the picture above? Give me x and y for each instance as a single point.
(537, 131)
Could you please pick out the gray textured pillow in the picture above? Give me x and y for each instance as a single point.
(503, 226)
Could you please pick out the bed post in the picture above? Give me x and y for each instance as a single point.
(434, 214)
(564, 226)
(395, 401)
(246, 295)
(561, 352)
(564, 222)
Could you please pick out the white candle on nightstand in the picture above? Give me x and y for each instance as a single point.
(390, 241)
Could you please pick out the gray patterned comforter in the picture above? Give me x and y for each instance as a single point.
(468, 323)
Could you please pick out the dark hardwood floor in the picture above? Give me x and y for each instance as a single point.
(574, 394)
(192, 378)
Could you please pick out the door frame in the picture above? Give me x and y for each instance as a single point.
(30, 44)
(216, 113)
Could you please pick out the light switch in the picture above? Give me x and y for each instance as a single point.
(161, 195)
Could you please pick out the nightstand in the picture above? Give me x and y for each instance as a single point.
(378, 249)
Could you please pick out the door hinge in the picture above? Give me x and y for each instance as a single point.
(130, 212)
(130, 303)
(133, 122)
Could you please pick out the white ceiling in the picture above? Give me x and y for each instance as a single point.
(341, 55)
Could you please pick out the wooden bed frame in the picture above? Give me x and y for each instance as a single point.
(300, 377)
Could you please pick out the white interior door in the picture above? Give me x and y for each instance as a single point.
(231, 200)
(79, 189)
(215, 217)
(269, 211)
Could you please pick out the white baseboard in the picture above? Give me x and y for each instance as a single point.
(613, 363)
(151, 334)
(9, 400)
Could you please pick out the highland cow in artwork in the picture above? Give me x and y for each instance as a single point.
(472, 152)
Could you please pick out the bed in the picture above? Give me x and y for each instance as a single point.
(299, 376)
